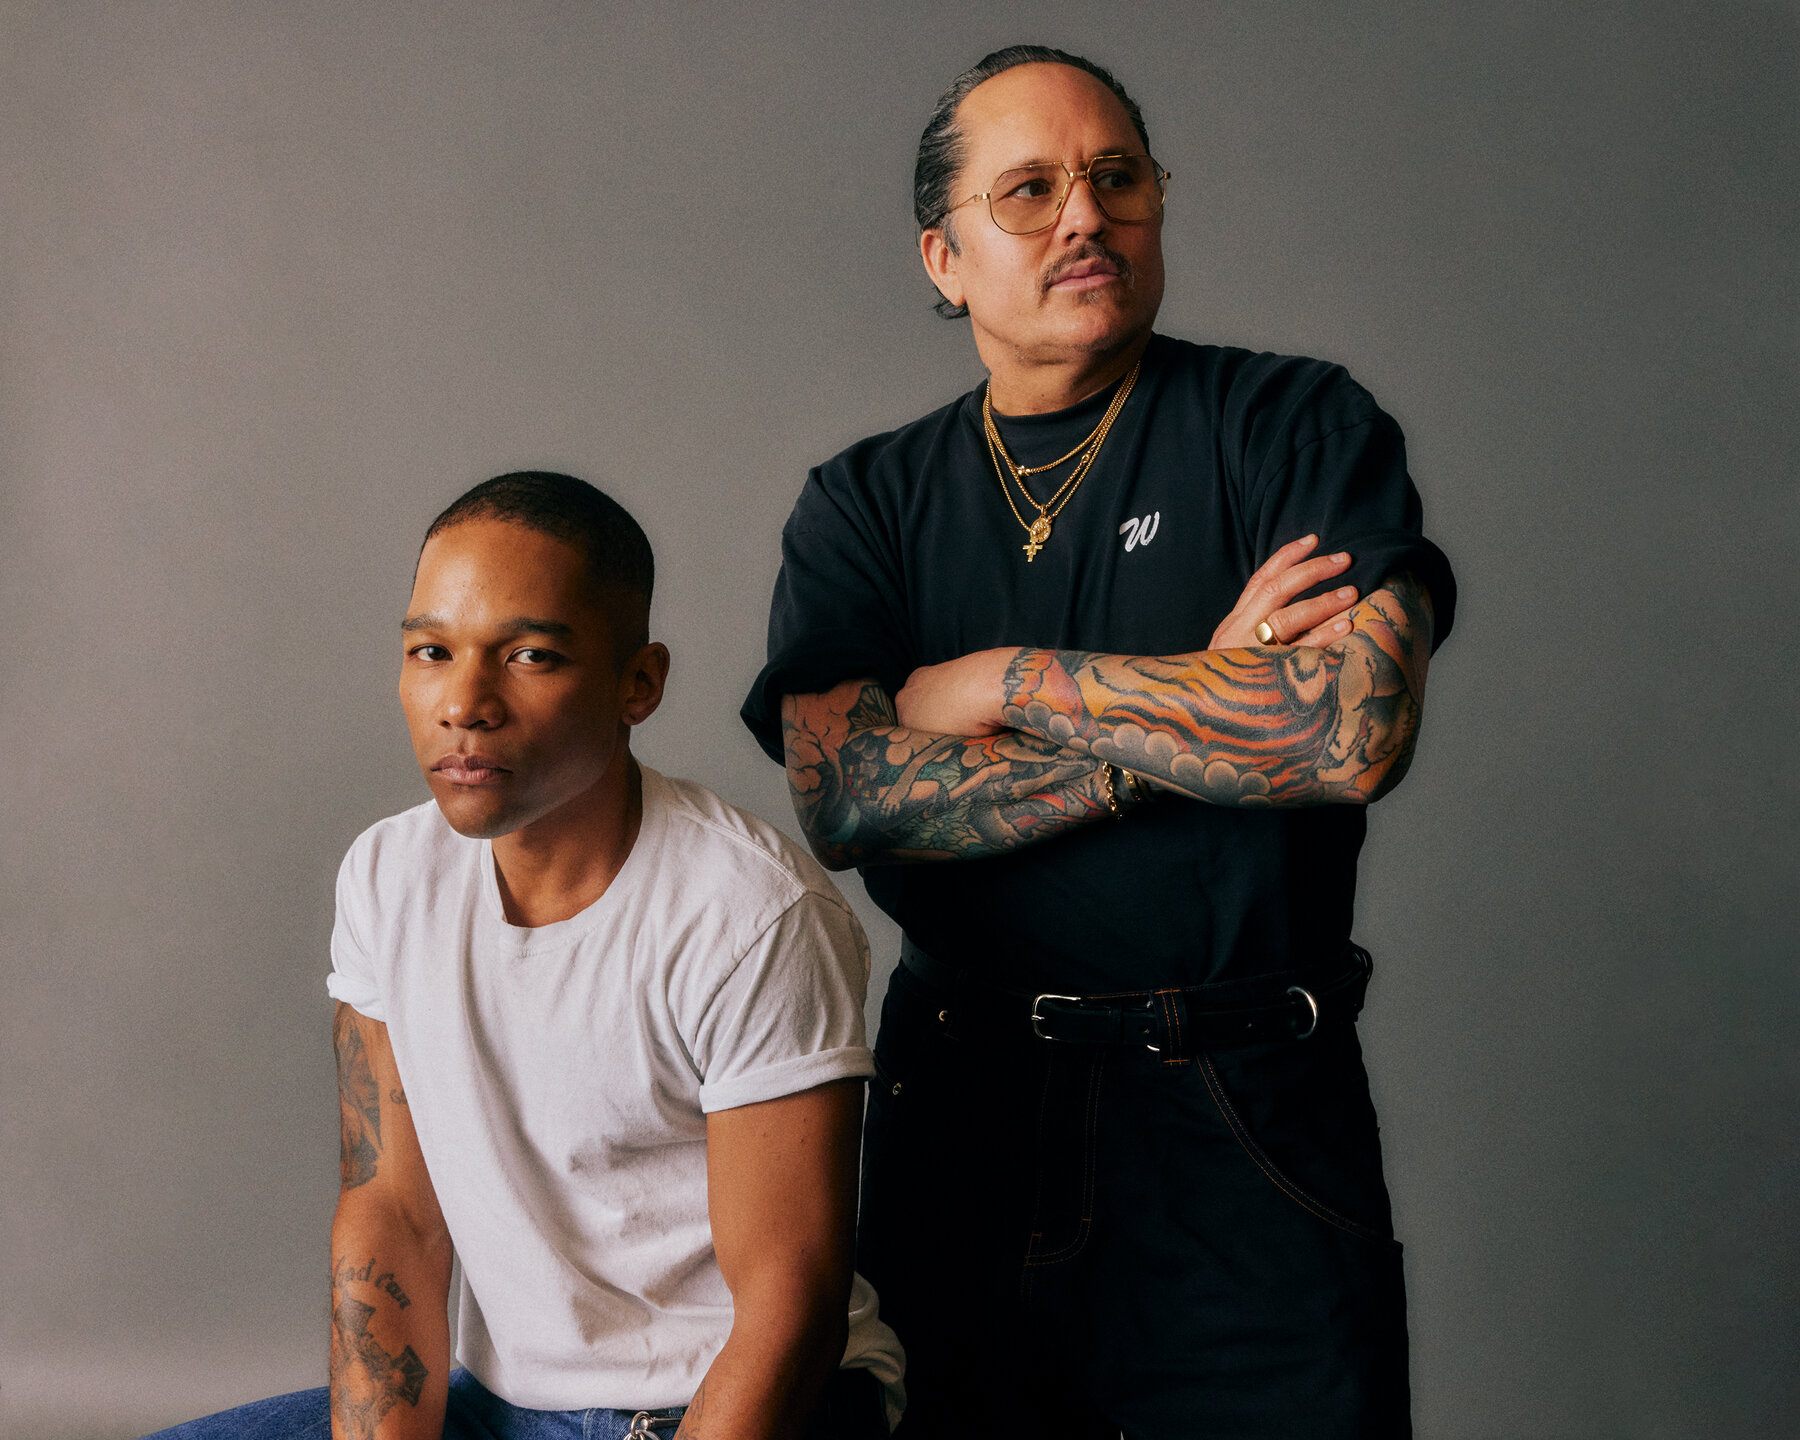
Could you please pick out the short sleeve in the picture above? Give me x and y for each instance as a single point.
(790, 1015)
(836, 614)
(352, 977)
(1342, 475)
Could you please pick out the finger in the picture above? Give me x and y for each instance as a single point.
(1304, 615)
(1289, 554)
(1329, 633)
(1277, 590)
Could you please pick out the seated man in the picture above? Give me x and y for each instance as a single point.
(599, 1035)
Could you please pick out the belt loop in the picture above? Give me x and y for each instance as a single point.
(1175, 1050)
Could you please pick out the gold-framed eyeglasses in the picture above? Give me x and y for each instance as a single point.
(1129, 189)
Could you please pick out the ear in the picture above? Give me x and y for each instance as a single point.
(940, 264)
(642, 680)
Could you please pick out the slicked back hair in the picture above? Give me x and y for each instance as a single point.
(940, 157)
(572, 511)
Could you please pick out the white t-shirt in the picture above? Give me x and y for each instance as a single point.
(559, 1078)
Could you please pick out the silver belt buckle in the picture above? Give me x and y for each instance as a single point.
(1037, 1020)
(643, 1423)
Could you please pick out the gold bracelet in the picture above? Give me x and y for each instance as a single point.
(1106, 789)
(1136, 787)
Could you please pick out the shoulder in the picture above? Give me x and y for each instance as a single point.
(1267, 409)
(1262, 388)
(732, 858)
(409, 849)
(879, 469)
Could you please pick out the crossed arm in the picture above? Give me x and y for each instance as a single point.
(1257, 725)
(1003, 748)
(868, 789)
(781, 1192)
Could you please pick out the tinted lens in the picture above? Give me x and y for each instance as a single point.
(1127, 187)
(1026, 199)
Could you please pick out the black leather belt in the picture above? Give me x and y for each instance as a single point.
(1175, 1023)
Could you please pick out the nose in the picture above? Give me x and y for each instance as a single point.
(470, 700)
(1081, 212)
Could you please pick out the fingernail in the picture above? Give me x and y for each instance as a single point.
(1341, 626)
(1346, 592)
(1309, 539)
(1341, 555)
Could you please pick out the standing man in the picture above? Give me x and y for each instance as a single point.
(598, 1034)
(1092, 672)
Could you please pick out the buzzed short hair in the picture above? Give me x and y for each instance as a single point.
(579, 514)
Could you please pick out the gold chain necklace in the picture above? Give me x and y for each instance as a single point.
(1023, 470)
(1037, 532)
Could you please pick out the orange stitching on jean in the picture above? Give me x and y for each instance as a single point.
(1037, 1199)
(1171, 1001)
(1267, 1166)
(1090, 1153)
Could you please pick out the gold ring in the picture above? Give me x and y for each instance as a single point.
(1265, 632)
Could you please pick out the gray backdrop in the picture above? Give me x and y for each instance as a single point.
(280, 280)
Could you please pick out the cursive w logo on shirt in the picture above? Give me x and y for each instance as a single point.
(1140, 531)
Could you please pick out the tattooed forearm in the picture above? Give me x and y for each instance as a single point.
(1259, 726)
(346, 1274)
(696, 1414)
(366, 1381)
(359, 1103)
(868, 790)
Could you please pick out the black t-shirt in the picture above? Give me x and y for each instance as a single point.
(902, 552)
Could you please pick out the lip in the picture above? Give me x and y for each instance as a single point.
(472, 769)
(1086, 275)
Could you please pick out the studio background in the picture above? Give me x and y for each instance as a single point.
(281, 280)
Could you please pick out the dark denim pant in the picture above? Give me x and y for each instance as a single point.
(1075, 1241)
(851, 1410)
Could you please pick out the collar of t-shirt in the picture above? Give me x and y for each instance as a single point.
(539, 939)
(1039, 439)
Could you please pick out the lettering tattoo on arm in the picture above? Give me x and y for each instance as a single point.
(867, 789)
(367, 1382)
(1257, 726)
(696, 1412)
(359, 1104)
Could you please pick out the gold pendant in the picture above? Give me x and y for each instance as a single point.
(1036, 537)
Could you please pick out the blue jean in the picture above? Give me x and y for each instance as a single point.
(850, 1409)
(474, 1413)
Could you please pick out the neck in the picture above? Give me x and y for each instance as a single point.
(557, 866)
(1026, 385)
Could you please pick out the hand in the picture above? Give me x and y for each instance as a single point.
(1284, 575)
(959, 697)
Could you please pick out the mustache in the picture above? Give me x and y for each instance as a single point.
(1089, 250)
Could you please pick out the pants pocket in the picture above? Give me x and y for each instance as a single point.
(1300, 1112)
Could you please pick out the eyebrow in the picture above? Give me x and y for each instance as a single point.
(518, 625)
